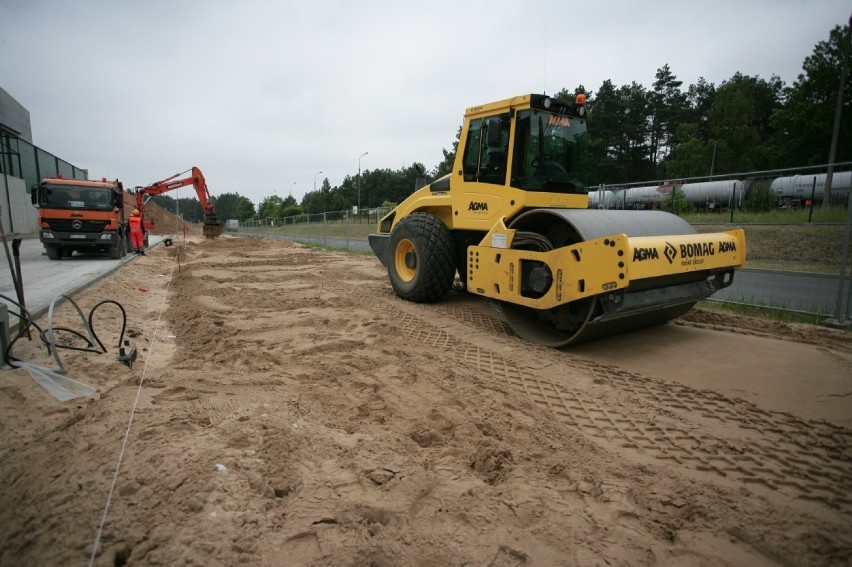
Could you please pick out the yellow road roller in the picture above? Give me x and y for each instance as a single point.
(512, 219)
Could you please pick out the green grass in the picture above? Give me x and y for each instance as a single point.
(819, 215)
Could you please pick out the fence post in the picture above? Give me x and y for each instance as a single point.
(842, 315)
(733, 202)
(324, 230)
(813, 194)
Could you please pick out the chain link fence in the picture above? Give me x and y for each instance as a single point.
(335, 229)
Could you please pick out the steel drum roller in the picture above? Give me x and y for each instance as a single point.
(663, 299)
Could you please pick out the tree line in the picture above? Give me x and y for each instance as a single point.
(747, 123)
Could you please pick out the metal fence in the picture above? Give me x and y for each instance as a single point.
(336, 229)
(798, 259)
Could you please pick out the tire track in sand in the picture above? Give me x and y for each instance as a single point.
(648, 417)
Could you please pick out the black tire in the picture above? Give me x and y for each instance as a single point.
(421, 262)
(115, 250)
(54, 251)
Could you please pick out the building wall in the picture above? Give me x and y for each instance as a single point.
(18, 214)
(23, 165)
(14, 117)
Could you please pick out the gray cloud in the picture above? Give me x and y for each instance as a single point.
(262, 94)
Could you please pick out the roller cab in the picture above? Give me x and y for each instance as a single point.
(512, 220)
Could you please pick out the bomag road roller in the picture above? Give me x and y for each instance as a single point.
(512, 219)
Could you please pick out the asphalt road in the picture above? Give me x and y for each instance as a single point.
(44, 279)
(794, 291)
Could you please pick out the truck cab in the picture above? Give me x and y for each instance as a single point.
(81, 215)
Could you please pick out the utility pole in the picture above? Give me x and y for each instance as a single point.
(838, 113)
(359, 181)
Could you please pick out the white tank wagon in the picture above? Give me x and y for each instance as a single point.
(605, 199)
(797, 189)
(714, 195)
(651, 197)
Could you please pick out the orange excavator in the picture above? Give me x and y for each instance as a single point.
(212, 228)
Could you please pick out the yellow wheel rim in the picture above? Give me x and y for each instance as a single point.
(405, 250)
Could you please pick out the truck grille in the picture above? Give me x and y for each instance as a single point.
(65, 225)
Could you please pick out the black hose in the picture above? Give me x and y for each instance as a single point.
(28, 320)
(531, 241)
(123, 322)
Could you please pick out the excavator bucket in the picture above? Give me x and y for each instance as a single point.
(212, 229)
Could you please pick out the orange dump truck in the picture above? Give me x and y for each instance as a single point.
(81, 216)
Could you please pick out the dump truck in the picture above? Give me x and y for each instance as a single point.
(81, 215)
(512, 220)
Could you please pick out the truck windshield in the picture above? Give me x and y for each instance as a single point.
(550, 153)
(75, 197)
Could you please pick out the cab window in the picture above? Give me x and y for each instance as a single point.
(487, 150)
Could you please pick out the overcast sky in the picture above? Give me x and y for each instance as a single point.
(262, 95)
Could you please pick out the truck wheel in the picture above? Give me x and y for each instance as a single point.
(54, 252)
(115, 250)
(421, 264)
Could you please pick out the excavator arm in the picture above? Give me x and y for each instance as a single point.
(212, 227)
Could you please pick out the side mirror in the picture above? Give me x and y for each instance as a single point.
(34, 195)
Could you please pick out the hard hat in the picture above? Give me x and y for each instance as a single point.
(135, 211)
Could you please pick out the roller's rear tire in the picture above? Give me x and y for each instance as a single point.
(421, 262)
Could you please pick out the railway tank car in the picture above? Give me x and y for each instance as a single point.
(796, 190)
(709, 195)
(714, 195)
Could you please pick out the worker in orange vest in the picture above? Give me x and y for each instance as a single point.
(137, 240)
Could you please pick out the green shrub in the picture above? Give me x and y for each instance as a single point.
(760, 199)
(677, 203)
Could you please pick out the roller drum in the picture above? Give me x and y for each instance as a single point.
(662, 299)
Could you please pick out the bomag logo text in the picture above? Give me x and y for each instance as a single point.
(727, 247)
(640, 254)
(478, 206)
(697, 250)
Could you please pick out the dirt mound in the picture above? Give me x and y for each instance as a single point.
(165, 222)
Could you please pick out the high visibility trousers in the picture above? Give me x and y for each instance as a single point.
(137, 241)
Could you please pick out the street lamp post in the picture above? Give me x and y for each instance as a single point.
(359, 182)
(315, 180)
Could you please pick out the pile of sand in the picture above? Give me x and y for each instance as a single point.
(165, 222)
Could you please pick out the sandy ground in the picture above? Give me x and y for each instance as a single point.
(287, 409)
